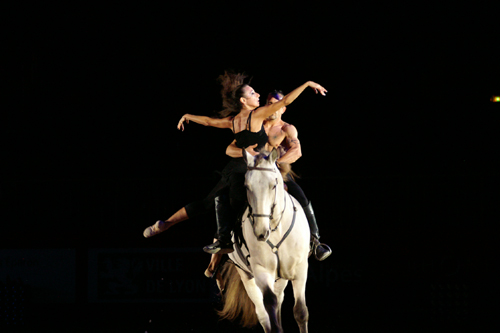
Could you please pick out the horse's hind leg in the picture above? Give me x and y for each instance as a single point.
(300, 311)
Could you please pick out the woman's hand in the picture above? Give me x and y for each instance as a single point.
(317, 88)
(251, 151)
(180, 125)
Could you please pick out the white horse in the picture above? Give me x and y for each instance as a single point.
(275, 250)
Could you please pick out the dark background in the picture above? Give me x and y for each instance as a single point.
(399, 159)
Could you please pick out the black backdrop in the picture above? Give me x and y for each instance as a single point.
(398, 159)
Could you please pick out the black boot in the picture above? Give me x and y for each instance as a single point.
(321, 251)
(225, 219)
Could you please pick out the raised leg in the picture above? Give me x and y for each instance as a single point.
(257, 297)
(160, 226)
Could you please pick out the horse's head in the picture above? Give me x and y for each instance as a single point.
(264, 186)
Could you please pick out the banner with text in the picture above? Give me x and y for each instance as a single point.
(148, 275)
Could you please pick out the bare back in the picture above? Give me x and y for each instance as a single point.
(241, 123)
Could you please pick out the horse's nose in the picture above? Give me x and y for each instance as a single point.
(264, 236)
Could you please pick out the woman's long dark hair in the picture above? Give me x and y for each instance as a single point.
(232, 91)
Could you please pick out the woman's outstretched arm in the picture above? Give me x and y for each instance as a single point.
(205, 121)
(266, 111)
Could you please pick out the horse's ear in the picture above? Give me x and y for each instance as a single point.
(274, 155)
(248, 158)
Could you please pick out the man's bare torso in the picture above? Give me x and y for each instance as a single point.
(277, 134)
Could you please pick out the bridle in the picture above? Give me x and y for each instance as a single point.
(275, 188)
(274, 248)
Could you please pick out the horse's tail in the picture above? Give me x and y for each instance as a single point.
(236, 302)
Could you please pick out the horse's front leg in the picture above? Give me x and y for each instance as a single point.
(300, 311)
(265, 282)
(279, 290)
(255, 294)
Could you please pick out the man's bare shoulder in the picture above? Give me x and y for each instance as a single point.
(288, 128)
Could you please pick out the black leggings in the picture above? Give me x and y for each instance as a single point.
(296, 191)
(231, 184)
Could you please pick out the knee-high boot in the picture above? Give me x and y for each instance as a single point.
(225, 220)
(321, 251)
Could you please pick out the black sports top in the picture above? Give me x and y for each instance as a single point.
(247, 138)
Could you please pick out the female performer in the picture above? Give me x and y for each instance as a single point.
(247, 125)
